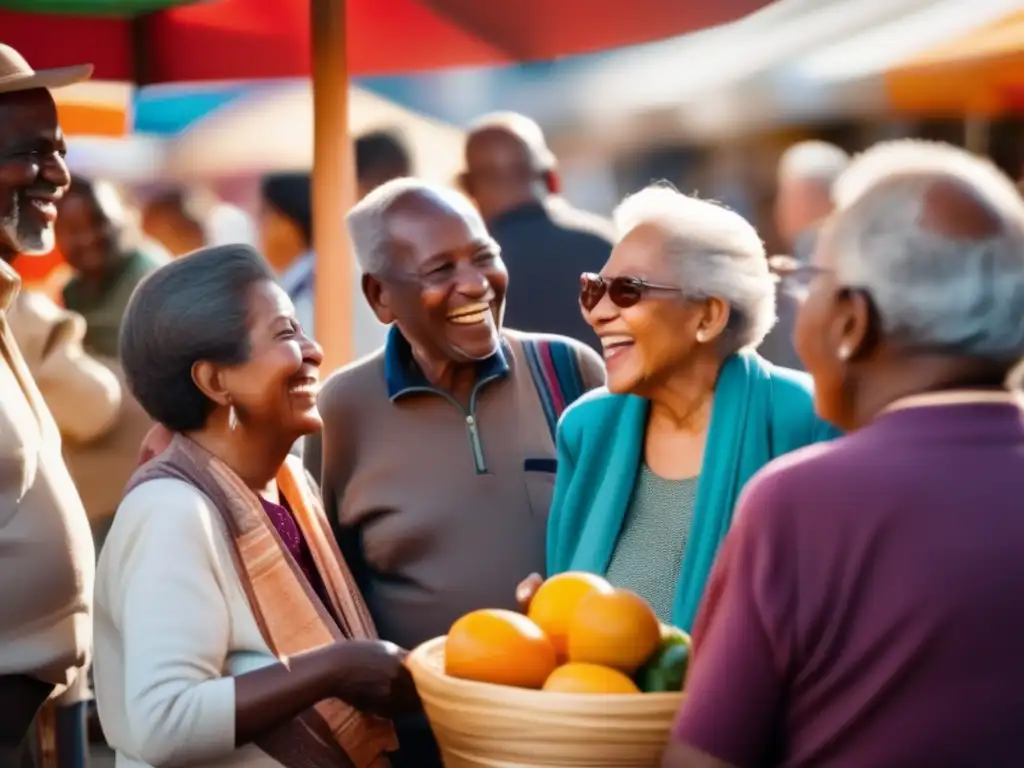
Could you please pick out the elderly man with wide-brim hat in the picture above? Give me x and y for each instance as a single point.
(47, 560)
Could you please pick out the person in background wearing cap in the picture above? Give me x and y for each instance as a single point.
(546, 243)
(47, 565)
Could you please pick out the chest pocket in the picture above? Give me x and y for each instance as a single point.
(555, 370)
(539, 477)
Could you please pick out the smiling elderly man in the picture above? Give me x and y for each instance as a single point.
(46, 550)
(438, 456)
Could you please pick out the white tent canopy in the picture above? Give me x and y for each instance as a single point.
(701, 77)
(271, 129)
(132, 159)
(819, 61)
(847, 77)
(268, 130)
(659, 74)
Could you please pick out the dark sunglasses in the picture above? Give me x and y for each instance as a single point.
(624, 292)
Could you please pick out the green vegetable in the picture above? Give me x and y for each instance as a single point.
(670, 634)
(666, 670)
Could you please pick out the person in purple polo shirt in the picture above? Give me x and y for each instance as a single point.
(867, 607)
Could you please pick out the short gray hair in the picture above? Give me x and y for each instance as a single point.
(816, 161)
(933, 290)
(368, 220)
(715, 253)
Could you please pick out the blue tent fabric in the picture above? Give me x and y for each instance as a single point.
(168, 112)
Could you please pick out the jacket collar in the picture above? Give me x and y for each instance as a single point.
(957, 397)
(403, 375)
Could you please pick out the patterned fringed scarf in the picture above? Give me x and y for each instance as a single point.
(291, 618)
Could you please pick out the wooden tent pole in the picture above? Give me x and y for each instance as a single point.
(333, 184)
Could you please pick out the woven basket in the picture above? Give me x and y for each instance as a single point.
(478, 724)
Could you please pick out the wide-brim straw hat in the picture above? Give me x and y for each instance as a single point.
(17, 75)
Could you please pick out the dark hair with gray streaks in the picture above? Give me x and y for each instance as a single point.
(195, 308)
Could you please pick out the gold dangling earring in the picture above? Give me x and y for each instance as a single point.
(232, 418)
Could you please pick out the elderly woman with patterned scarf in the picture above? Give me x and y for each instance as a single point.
(228, 629)
(649, 469)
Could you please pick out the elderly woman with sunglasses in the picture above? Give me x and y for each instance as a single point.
(650, 468)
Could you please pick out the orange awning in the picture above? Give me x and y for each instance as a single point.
(980, 73)
(92, 120)
(95, 108)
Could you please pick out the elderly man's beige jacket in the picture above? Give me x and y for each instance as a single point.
(84, 397)
(47, 560)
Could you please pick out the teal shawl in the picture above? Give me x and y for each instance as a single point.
(759, 412)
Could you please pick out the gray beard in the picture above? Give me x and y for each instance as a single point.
(19, 237)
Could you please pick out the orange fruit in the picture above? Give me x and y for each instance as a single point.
(500, 647)
(556, 600)
(618, 630)
(588, 678)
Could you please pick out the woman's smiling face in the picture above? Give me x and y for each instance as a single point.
(645, 342)
(277, 386)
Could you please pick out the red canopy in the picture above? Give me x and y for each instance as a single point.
(257, 39)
